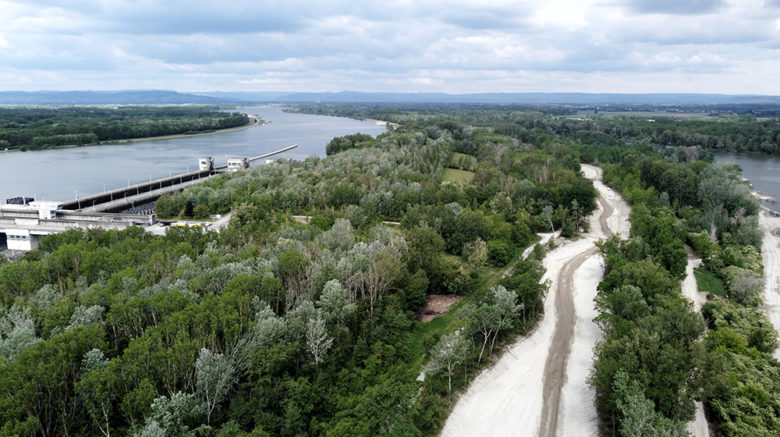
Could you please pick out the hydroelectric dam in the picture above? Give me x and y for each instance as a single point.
(23, 225)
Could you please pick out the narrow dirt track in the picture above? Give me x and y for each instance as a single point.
(607, 211)
(557, 359)
(506, 398)
(770, 252)
(690, 289)
(560, 349)
(577, 414)
(522, 393)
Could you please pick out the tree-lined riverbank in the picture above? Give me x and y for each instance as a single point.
(42, 128)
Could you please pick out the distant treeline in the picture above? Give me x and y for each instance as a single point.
(40, 128)
(735, 128)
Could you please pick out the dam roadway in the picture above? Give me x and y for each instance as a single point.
(124, 198)
(127, 197)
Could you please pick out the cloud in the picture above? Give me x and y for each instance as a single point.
(181, 18)
(400, 45)
(674, 7)
(486, 17)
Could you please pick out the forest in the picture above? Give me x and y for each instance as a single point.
(31, 128)
(276, 327)
(302, 317)
(712, 129)
(658, 355)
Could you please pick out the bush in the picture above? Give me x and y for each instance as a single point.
(499, 252)
(702, 245)
(200, 212)
(355, 141)
(167, 206)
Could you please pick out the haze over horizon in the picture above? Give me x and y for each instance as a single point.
(606, 46)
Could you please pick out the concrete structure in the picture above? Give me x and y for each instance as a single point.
(124, 198)
(22, 226)
(133, 195)
(236, 164)
(46, 210)
(206, 163)
(21, 239)
(21, 200)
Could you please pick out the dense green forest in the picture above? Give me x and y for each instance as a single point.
(658, 355)
(302, 316)
(656, 348)
(40, 128)
(275, 327)
(713, 130)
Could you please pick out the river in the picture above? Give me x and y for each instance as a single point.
(763, 172)
(65, 173)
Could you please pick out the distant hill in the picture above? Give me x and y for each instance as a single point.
(246, 96)
(501, 98)
(132, 97)
(139, 97)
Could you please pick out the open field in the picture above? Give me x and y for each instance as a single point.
(709, 282)
(456, 176)
(463, 161)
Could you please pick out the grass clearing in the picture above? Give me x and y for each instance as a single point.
(707, 281)
(463, 161)
(427, 333)
(455, 176)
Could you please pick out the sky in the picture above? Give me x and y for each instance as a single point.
(621, 46)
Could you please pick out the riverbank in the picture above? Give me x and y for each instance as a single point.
(383, 123)
(253, 121)
(762, 173)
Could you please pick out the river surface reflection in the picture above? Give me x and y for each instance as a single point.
(763, 172)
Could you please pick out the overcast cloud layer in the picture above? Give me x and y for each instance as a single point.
(699, 46)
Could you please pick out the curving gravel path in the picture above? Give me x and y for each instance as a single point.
(538, 386)
(690, 289)
(568, 399)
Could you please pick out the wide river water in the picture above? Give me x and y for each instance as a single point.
(763, 172)
(66, 173)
